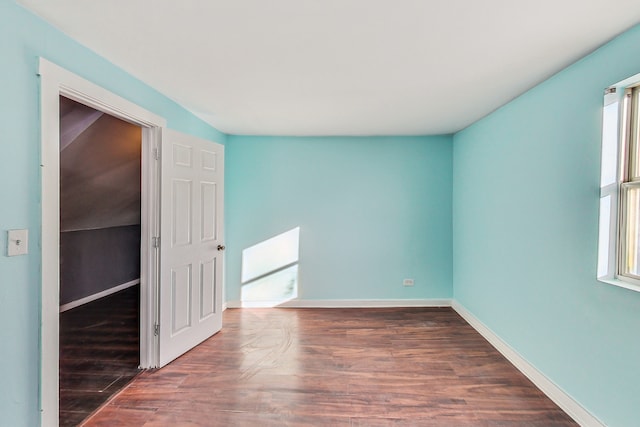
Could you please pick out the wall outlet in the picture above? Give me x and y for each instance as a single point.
(407, 282)
(17, 242)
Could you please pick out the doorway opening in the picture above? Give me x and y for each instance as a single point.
(180, 234)
(100, 197)
(55, 82)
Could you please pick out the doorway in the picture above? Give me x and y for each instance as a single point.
(55, 82)
(181, 239)
(100, 196)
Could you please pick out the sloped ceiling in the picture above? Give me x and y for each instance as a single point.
(99, 169)
(341, 67)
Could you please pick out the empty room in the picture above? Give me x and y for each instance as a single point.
(346, 213)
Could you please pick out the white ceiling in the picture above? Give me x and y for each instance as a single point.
(341, 67)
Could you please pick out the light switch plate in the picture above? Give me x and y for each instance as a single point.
(17, 242)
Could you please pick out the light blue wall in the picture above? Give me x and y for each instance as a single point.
(525, 235)
(372, 211)
(24, 37)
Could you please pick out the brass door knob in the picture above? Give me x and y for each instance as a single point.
(221, 247)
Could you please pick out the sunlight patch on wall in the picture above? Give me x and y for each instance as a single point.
(270, 271)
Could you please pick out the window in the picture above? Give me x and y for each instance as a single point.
(629, 265)
(619, 234)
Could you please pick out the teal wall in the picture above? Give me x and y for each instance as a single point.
(521, 186)
(372, 211)
(23, 38)
(525, 227)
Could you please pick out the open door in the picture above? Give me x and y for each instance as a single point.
(191, 243)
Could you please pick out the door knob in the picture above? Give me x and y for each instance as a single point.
(221, 247)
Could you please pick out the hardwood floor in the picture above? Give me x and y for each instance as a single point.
(99, 353)
(336, 367)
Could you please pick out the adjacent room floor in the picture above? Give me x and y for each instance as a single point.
(99, 353)
(336, 367)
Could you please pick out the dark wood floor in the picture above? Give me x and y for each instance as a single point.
(99, 353)
(336, 367)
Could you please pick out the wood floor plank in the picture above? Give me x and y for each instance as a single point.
(99, 353)
(337, 367)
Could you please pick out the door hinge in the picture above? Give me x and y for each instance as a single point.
(156, 329)
(155, 241)
(156, 154)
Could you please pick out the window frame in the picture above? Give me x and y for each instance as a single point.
(613, 221)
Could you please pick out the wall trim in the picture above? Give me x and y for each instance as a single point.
(106, 292)
(548, 387)
(347, 303)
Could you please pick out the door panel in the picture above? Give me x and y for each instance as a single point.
(208, 216)
(208, 289)
(190, 263)
(180, 298)
(181, 206)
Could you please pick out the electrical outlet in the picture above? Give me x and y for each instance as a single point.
(17, 242)
(407, 282)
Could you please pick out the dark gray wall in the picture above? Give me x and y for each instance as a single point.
(92, 261)
(100, 158)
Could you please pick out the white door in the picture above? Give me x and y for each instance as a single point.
(191, 242)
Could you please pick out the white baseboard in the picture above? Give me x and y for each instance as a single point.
(346, 303)
(555, 393)
(107, 292)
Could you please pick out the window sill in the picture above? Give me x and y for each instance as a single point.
(621, 284)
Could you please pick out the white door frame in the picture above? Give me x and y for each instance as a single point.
(56, 81)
